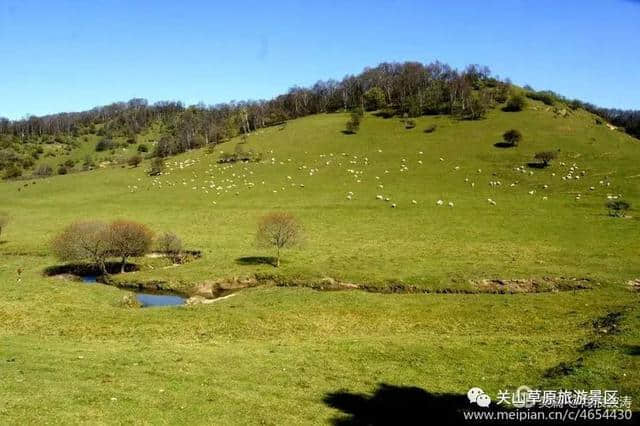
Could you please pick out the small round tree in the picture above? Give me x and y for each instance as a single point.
(545, 157)
(279, 230)
(4, 220)
(134, 160)
(169, 244)
(353, 125)
(83, 242)
(375, 99)
(618, 208)
(128, 239)
(516, 102)
(157, 166)
(512, 137)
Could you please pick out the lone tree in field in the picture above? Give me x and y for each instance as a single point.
(516, 102)
(81, 242)
(128, 239)
(512, 137)
(157, 166)
(134, 160)
(353, 125)
(4, 219)
(279, 231)
(169, 244)
(545, 157)
(618, 208)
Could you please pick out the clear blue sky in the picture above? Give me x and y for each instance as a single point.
(73, 55)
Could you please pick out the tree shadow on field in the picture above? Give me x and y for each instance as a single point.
(347, 132)
(408, 405)
(632, 350)
(537, 165)
(504, 145)
(83, 269)
(401, 405)
(3, 242)
(256, 260)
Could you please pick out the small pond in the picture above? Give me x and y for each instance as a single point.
(146, 300)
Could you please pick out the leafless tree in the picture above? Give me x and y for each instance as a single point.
(83, 241)
(169, 244)
(127, 239)
(279, 230)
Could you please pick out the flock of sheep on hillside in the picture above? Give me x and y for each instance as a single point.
(219, 179)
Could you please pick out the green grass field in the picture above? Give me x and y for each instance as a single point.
(73, 353)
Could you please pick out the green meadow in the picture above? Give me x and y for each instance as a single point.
(459, 211)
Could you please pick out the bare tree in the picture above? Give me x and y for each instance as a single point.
(4, 219)
(170, 244)
(278, 230)
(83, 241)
(134, 160)
(127, 239)
(545, 157)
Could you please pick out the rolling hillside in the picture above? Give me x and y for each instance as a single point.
(389, 209)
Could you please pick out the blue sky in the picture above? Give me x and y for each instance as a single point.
(73, 55)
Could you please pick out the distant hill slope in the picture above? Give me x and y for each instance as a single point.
(121, 132)
(499, 216)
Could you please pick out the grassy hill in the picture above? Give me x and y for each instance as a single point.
(274, 354)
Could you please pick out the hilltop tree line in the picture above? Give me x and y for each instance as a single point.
(409, 89)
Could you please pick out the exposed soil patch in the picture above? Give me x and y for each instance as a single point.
(608, 324)
(185, 256)
(531, 285)
(496, 286)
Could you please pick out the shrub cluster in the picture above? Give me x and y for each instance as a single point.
(95, 242)
(516, 102)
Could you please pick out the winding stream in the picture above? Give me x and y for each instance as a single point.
(146, 300)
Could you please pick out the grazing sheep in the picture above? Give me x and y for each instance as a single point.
(439, 202)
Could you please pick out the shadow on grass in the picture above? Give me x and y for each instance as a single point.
(256, 260)
(537, 165)
(632, 350)
(83, 269)
(384, 114)
(504, 145)
(347, 132)
(407, 405)
(391, 404)
(3, 242)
